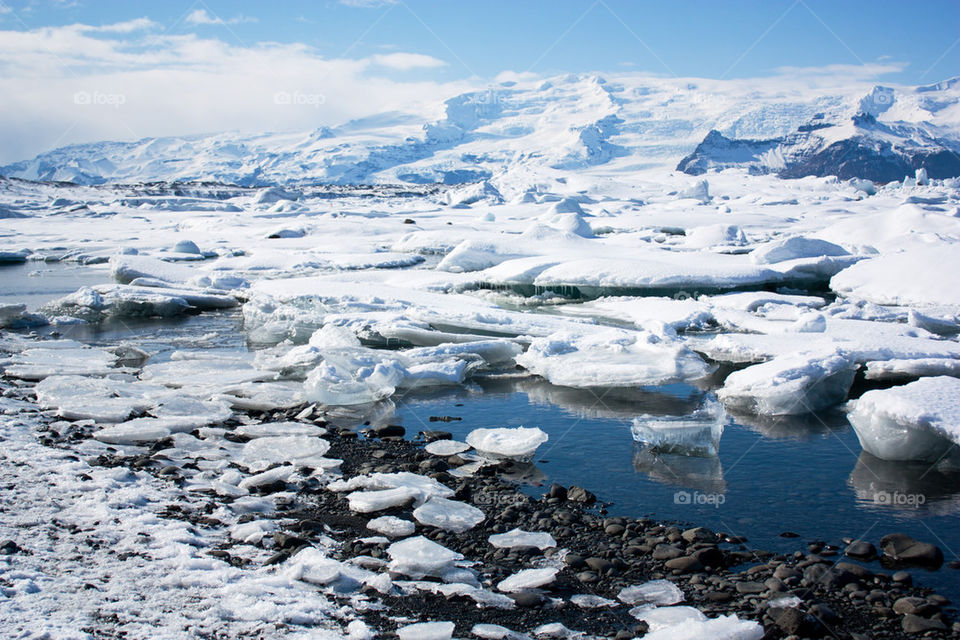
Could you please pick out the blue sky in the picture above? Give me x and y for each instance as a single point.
(74, 71)
(703, 38)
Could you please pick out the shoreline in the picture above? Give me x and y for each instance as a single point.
(717, 573)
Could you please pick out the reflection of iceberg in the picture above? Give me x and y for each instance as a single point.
(802, 427)
(910, 488)
(701, 474)
(616, 403)
(697, 434)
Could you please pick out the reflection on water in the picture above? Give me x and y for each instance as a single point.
(910, 489)
(36, 283)
(602, 402)
(703, 474)
(802, 427)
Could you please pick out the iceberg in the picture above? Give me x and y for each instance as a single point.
(919, 421)
(695, 435)
(504, 442)
(611, 358)
(790, 384)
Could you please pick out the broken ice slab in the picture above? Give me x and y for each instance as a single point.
(60, 358)
(446, 447)
(520, 538)
(380, 499)
(790, 384)
(392, 526)
(426, 631)
(528, 579)
(611, 358)
(919, 421)
(449, 515)
(419, 557)
(697, 434)
(518, 442)
(657, 592)
(16, 316)
(686, 625)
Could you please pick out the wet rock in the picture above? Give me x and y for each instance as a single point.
(901, 548)
(558, 491)
(666, 552)
(902, 578)
(588, 577)
(527, 599)
(789, 534)
(686, 564)
(916, 624)
(600, 565)
(575, 561)
(709, 557)
(389, 431)
(614, 530)
(750, 587)
(288, 541)
(861, 550)
(915, 606)
(699, 534)
(432, 435)
(861, 573)
(581, 495)
(9, 547)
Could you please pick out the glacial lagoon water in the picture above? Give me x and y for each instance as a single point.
(804, 475)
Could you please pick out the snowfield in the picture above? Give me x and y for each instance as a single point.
(568, 248)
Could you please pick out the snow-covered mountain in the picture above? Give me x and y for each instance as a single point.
(916, 134)
(581, 122)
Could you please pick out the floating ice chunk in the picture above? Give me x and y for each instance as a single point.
(418, 557)
(656, 592)
(793, 248)
(791, 384)
(917, 276)
(528, 579)
(16, 316)
(728, 627)
(695, 435)
(590, 601)
(786, 602)
(520, 538)
(392, 526)
(449, 515)
(380, 499)
(518, 442)
(611, 358)
(446, 447)
(918, 421)
(427, 631)
(213, 372)
(338, 383)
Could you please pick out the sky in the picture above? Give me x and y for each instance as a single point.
(78, 71)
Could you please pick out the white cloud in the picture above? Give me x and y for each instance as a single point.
(407, 61)
(200, 16)
(838, 73)
(77, 83)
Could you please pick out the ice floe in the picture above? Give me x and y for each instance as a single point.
(519, 442)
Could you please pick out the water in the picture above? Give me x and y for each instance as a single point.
(36, 283)
(804, 475)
